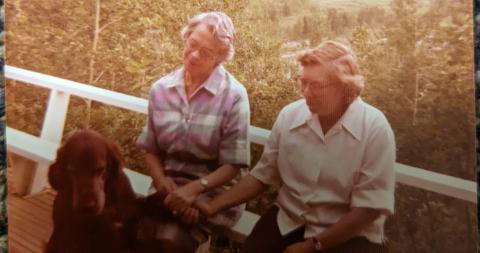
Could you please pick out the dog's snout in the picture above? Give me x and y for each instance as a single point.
(88, 206)
(86, 196)
(88, 201)
(87, 191)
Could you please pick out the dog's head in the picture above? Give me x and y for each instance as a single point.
(86, 168)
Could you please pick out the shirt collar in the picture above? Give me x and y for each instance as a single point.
(351, 119)
(212, 84)
(176, 79)
(214, 81)
(302, 116)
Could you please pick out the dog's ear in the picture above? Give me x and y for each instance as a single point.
(115, 161)
(118, 186)
(57, 174)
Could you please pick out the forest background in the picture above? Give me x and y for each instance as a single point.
(416, 57)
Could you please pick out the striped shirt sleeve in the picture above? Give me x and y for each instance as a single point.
(235, 145)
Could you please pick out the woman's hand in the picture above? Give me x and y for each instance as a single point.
(165, 185)
(190, 216)
(181, 198)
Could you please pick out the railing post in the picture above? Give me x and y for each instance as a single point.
(52, 131)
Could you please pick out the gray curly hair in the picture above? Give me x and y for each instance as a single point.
(222, 28)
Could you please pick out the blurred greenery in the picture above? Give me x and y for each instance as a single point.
(416, 57)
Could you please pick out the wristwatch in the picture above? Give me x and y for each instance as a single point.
(317, 244)
(204, 183)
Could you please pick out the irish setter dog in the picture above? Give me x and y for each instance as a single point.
(96, 209)
(94, 202)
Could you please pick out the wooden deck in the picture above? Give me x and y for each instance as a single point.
(29, 220)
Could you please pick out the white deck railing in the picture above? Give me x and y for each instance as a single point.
(42, 149)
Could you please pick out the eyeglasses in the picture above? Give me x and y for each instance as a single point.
(202, 51)
(315, 86)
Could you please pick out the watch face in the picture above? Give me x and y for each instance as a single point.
(317, 244)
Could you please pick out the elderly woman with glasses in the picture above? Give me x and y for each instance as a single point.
(195, 135)
(332, 157)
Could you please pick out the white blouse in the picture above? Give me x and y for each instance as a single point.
(321, 177)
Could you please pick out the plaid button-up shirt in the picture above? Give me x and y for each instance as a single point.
(212, 125)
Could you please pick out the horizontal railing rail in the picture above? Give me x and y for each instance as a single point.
(409, 175)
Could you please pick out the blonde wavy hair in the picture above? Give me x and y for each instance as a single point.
(343, 63)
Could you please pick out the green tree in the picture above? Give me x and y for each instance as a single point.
(418, 73)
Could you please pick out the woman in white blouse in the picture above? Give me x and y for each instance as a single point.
(332, 156)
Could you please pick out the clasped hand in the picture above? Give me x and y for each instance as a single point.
(179, 201)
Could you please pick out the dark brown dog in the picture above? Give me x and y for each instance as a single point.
(93, 206)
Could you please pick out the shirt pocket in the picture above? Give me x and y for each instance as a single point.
(338, 174)
(342, 164)
(204, 131)
(167, 126)
(298, 166)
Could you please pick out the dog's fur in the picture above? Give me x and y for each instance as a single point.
(91, 212)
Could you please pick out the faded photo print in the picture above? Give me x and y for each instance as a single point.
(240, 126)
